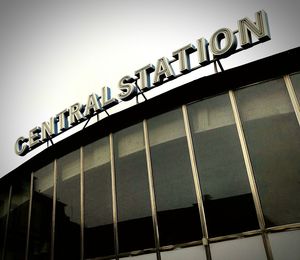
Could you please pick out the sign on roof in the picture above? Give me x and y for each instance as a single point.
(221, 44)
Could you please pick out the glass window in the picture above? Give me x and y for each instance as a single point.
(227, 197)
(177, 208)
(285, 245)
(296, 83)
(135, 228)
(141, 257)
(4, 196)
(273, 138)
(244, 248)
(98, 226)
(67, 221)
(41, 214)
(190, 253)
(18, 220)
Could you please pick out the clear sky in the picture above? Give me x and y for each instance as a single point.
(55, 53)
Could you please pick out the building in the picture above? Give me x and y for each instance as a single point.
(208, 170)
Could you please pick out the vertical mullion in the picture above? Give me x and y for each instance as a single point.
(293, 97)
(54, 208)
(29, 215)
(250, 174)
(151, 189)
(81, 205)
(196, 181)
(6, 222)
(114, 195)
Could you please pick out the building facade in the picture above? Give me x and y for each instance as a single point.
(208, 170)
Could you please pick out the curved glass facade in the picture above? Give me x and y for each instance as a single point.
(218, 178)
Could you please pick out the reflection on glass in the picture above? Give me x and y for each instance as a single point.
(41, 214)
(98, 226)
(228, 201)
(4, 195)
(178, 215)
(141, 257)
(135, 228)
(67, 221)
(273, 137)
(285, 245)
(18, 219)
(246, 248)
(190, 253)
(296, 84)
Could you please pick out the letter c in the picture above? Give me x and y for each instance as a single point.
(21, 148)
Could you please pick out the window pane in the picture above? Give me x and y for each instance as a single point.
(285, 245)
(141, 257)
(178, 214)
(4, 196)
(98, 232)
(18, 220)
(135, 228)
(227, 197)
(190, 253)
(273, 138)
(41, 214)
(67, 222)
(296, 83)
(244, 248)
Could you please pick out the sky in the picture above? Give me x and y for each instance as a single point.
(56, 53)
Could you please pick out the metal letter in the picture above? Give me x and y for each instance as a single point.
(260, 28)
(229, 46)
(76, 115)
(92, 105)
(163, 70)
(203, 54)
(34, 137)
(128, 88)
(144, 75)
(49, 129)
(107, 100)
(183, 57)
(63, 120)
(21, 148)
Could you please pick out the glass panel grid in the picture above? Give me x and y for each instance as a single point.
(41, 213)
(273, 138)
(227, 197)
(98, 226)
(135, 226)
(177, 207)
(67, 219)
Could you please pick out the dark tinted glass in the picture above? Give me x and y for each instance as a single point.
(67, 221)
(4, 196)
(178, 217)
(135, 228)
(18, 220)
(227, 197)
(273, 138)
(41, 214)
(98, 226)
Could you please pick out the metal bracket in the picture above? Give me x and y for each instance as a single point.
(140, 92)
(50, 139)
(220, 66)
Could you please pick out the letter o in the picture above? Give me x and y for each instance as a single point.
(230, 43)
